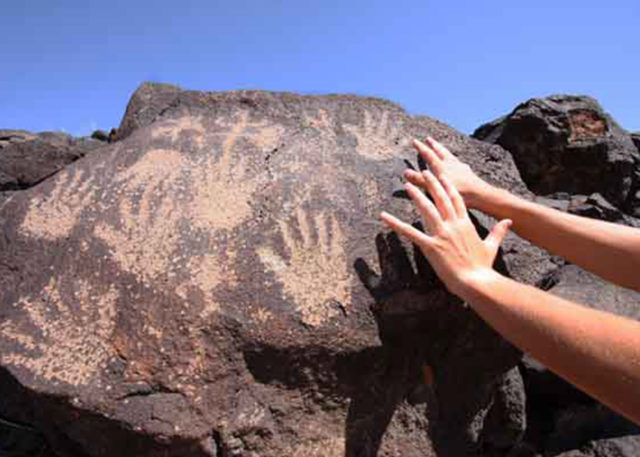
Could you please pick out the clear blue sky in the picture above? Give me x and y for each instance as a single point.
(72, 64)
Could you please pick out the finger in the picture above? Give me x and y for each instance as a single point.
(415, 178)
(454, 195)
(424, 269)
(440, 196)
(404, 229)
(428, 154)
(428, 211)
(496, 235)
(439, 148)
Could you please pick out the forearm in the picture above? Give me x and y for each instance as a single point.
(596, 351)
(609, 250)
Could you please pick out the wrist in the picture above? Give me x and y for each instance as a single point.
(480, 195)
(477, 284)
(489, 199)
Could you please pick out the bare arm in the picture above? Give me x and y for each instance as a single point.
(609, 250)
(597, 351)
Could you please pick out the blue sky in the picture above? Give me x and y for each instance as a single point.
(72, 65)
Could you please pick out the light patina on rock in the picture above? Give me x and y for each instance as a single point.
(216, 283)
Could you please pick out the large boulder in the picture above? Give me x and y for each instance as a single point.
(216, 283)
(28, 158)
(565, 143)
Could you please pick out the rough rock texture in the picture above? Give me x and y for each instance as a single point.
(147, 104)
(216, 283)
(28, 158)
(566, 143)
(625, 446)
(575, 284)
(635, 137)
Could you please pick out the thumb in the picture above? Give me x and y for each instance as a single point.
(497, 234)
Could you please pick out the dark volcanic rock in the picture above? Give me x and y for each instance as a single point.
(506, 422)
(635, 137)
(624, 446)
(216, 283)
(28, 158)
(148, 103)
(100, 135)
(568, 144)
(580, 286)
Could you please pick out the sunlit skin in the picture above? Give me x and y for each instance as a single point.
(597, 351)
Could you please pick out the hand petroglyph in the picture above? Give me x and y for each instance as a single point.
(315, 273)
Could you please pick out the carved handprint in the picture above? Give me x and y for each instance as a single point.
(173, 129)
(70, 196)
(223, 185)
(315, 273)
(378, 137)
(73, 335)
(145, 239)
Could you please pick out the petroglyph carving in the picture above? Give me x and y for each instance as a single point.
(377, 137)
(223, 187)
(315, 273)
(175, 128)
(146, 238)
(70, 196)
(208, 271)
(75, 333)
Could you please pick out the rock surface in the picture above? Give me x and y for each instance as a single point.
(28, 158)
(566, 143)
(635, 137)
(216, 283)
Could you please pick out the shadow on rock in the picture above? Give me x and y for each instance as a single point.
(440, 352)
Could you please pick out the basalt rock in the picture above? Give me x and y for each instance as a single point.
(100, 135)
(28, 158)
(566, 143)
(216, 283)
(635, 137)
(625, 446)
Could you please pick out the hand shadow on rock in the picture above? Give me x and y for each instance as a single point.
(424, 327)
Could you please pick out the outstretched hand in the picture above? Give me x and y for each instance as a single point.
(443, 163)
(452, 245)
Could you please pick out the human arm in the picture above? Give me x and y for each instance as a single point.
(597, 351)
(609, 250)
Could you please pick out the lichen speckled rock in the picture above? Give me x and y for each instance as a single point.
(216, 283)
